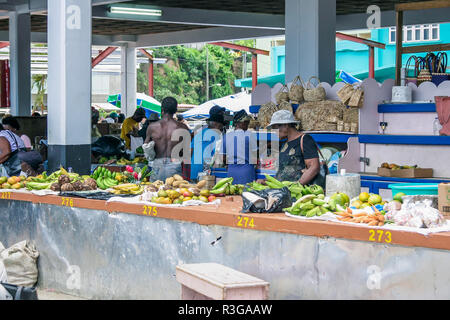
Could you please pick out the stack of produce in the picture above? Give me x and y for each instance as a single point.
(225, 187)
(61, 181)
(129, 188)
(176, 190)
(297, 190)
(105, 179)
(13, 183)
(371, 219)
(310, 205)
(367, 200)
(394, 166)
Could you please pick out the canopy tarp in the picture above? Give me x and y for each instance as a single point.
(142, 101)
(233, 103)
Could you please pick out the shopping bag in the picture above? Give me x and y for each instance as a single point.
(345, 93)
(13, 292)
(136, 142)
(439, 74)
(282, 95)
(296, 90)
(266, 201)
(20, 262)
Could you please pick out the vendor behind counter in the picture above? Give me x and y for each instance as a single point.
(299, 157)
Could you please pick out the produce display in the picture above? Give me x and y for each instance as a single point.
(61, 180)
(176, 190)
(297, 190)
(367, 200)
(394, 166)
(122, 161)
(307, 201)
(372, 219)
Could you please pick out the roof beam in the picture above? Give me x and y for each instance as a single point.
(203, 35)
(199, 17)
(388, 18)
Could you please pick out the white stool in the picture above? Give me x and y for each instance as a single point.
(212, 281)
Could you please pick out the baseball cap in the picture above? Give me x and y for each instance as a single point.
(241, 116)
(216, 110)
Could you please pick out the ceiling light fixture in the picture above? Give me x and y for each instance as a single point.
(136, 11)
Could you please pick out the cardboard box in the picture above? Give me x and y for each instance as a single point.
(406, 173)
(444, 199)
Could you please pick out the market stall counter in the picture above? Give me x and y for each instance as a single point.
(117, 246)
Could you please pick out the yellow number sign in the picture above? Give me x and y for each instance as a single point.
(67, 202)
(150, 211)
(245, 222)
(380, 236)
(6, 195)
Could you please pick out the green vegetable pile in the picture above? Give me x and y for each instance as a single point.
(297, 190)
(226, 187)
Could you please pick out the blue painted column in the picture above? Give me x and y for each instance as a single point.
(69, 84)
(20, 61)
(311, 39)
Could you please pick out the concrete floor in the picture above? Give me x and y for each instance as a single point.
(44, 294)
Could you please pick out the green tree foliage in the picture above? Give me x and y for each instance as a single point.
(184, 74)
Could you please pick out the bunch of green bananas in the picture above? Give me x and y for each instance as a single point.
(310, 205)
(106, 182)
(226, 187)
(103, 172)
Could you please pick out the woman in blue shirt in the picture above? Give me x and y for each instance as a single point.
(240, 150)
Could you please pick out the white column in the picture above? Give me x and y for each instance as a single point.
(69, 84)
(311, 39)
(128, 76)
(20, 61)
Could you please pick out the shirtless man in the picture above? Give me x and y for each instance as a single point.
(160, 133)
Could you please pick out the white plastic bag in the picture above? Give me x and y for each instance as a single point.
(136, 142)
(149, 150)
(20, 262)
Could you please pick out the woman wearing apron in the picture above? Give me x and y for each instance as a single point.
(10, 146)
(295, 164)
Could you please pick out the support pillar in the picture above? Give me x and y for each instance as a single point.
(20, 61)
(69, 84)
(311, 39)
(128, 80)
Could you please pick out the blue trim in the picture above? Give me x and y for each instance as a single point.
(409, 107)
(405, 180)
(331, 138)
(255, 108)
(411, 140)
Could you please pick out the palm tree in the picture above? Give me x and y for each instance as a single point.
(39, 81)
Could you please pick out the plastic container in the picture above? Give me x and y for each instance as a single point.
(413, 189)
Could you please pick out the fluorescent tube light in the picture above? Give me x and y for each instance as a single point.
(136, 11)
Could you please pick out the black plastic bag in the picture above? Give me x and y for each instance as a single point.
(19, 292)
(266, 201)
(108, 146)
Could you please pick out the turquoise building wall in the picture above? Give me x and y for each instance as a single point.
(353, 58)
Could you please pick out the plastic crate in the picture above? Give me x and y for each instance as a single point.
(413, 189)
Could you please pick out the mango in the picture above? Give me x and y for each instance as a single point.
(3, 180)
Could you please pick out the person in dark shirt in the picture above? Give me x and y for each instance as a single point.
(295, 164)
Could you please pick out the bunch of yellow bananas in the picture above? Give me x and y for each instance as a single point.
(128, 189)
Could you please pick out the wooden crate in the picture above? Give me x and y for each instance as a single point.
(406, 173)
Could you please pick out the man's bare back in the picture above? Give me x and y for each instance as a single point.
(161, 133)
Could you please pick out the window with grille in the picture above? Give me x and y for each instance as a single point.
(416, 33)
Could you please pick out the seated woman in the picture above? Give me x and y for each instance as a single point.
(10, 146)
(11, 124)
(299, 158)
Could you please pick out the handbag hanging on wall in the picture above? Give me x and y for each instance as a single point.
(415, 61)
(424, 71)
(314, 94)
(439, 74)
